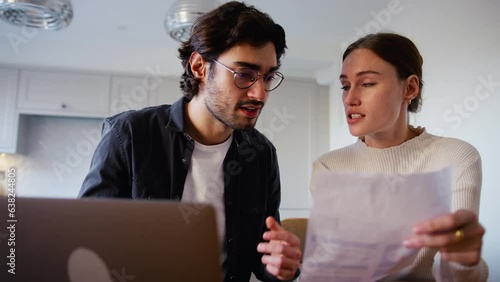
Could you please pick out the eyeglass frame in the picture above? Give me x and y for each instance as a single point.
(235, 73)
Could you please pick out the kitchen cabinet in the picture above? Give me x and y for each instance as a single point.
(9, 118)
(128, 93)
(133, 93)
(165, 90)
(63, 93)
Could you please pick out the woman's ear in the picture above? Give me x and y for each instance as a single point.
(412, 87)
(198, 65)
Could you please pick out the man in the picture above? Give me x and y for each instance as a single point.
(204, 147)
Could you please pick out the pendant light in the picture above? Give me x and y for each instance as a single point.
(43, 14)
(182, 14)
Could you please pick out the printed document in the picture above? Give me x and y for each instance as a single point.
(358, 222)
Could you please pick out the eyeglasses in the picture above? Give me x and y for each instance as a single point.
(245, 78)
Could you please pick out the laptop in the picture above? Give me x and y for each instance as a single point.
(107, 240)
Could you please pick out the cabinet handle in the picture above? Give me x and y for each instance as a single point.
(63, 106)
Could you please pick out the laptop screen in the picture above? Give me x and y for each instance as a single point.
(108, 240)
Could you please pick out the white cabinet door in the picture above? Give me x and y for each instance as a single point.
(64, 93)
(8, 115)
(133, 93)
(128, 93)
(165, 90)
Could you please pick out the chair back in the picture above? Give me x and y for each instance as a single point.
(297, 226)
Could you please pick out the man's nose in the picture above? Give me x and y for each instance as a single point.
(257, 91)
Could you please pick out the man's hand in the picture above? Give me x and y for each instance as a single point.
(282, 253)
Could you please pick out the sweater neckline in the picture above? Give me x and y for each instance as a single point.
(422, 135)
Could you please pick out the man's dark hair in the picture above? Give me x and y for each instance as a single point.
(218, 31)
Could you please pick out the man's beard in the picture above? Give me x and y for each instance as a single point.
(224, 111)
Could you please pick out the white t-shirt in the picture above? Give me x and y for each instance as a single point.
(205, 180)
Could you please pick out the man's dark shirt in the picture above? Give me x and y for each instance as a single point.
(145, 154)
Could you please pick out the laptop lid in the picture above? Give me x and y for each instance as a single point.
(105, 240)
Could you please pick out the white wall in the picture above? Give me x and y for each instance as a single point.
(461, 51)
(296, 120)
(463, 95)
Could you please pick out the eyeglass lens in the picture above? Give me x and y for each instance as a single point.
(247, 77)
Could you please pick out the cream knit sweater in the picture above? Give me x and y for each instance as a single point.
(424, 153)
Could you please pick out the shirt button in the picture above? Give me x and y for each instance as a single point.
(233, 278)
(177, 198)
(230, 240)
(184, 161)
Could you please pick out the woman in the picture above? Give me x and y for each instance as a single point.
(382, 83)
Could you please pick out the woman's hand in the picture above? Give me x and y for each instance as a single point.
(458, 236)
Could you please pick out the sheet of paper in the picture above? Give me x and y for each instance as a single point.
(359, 221)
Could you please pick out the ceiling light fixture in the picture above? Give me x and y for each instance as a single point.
(182, 14)
(43, 14)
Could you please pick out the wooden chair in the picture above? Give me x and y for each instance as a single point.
(297, 226)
